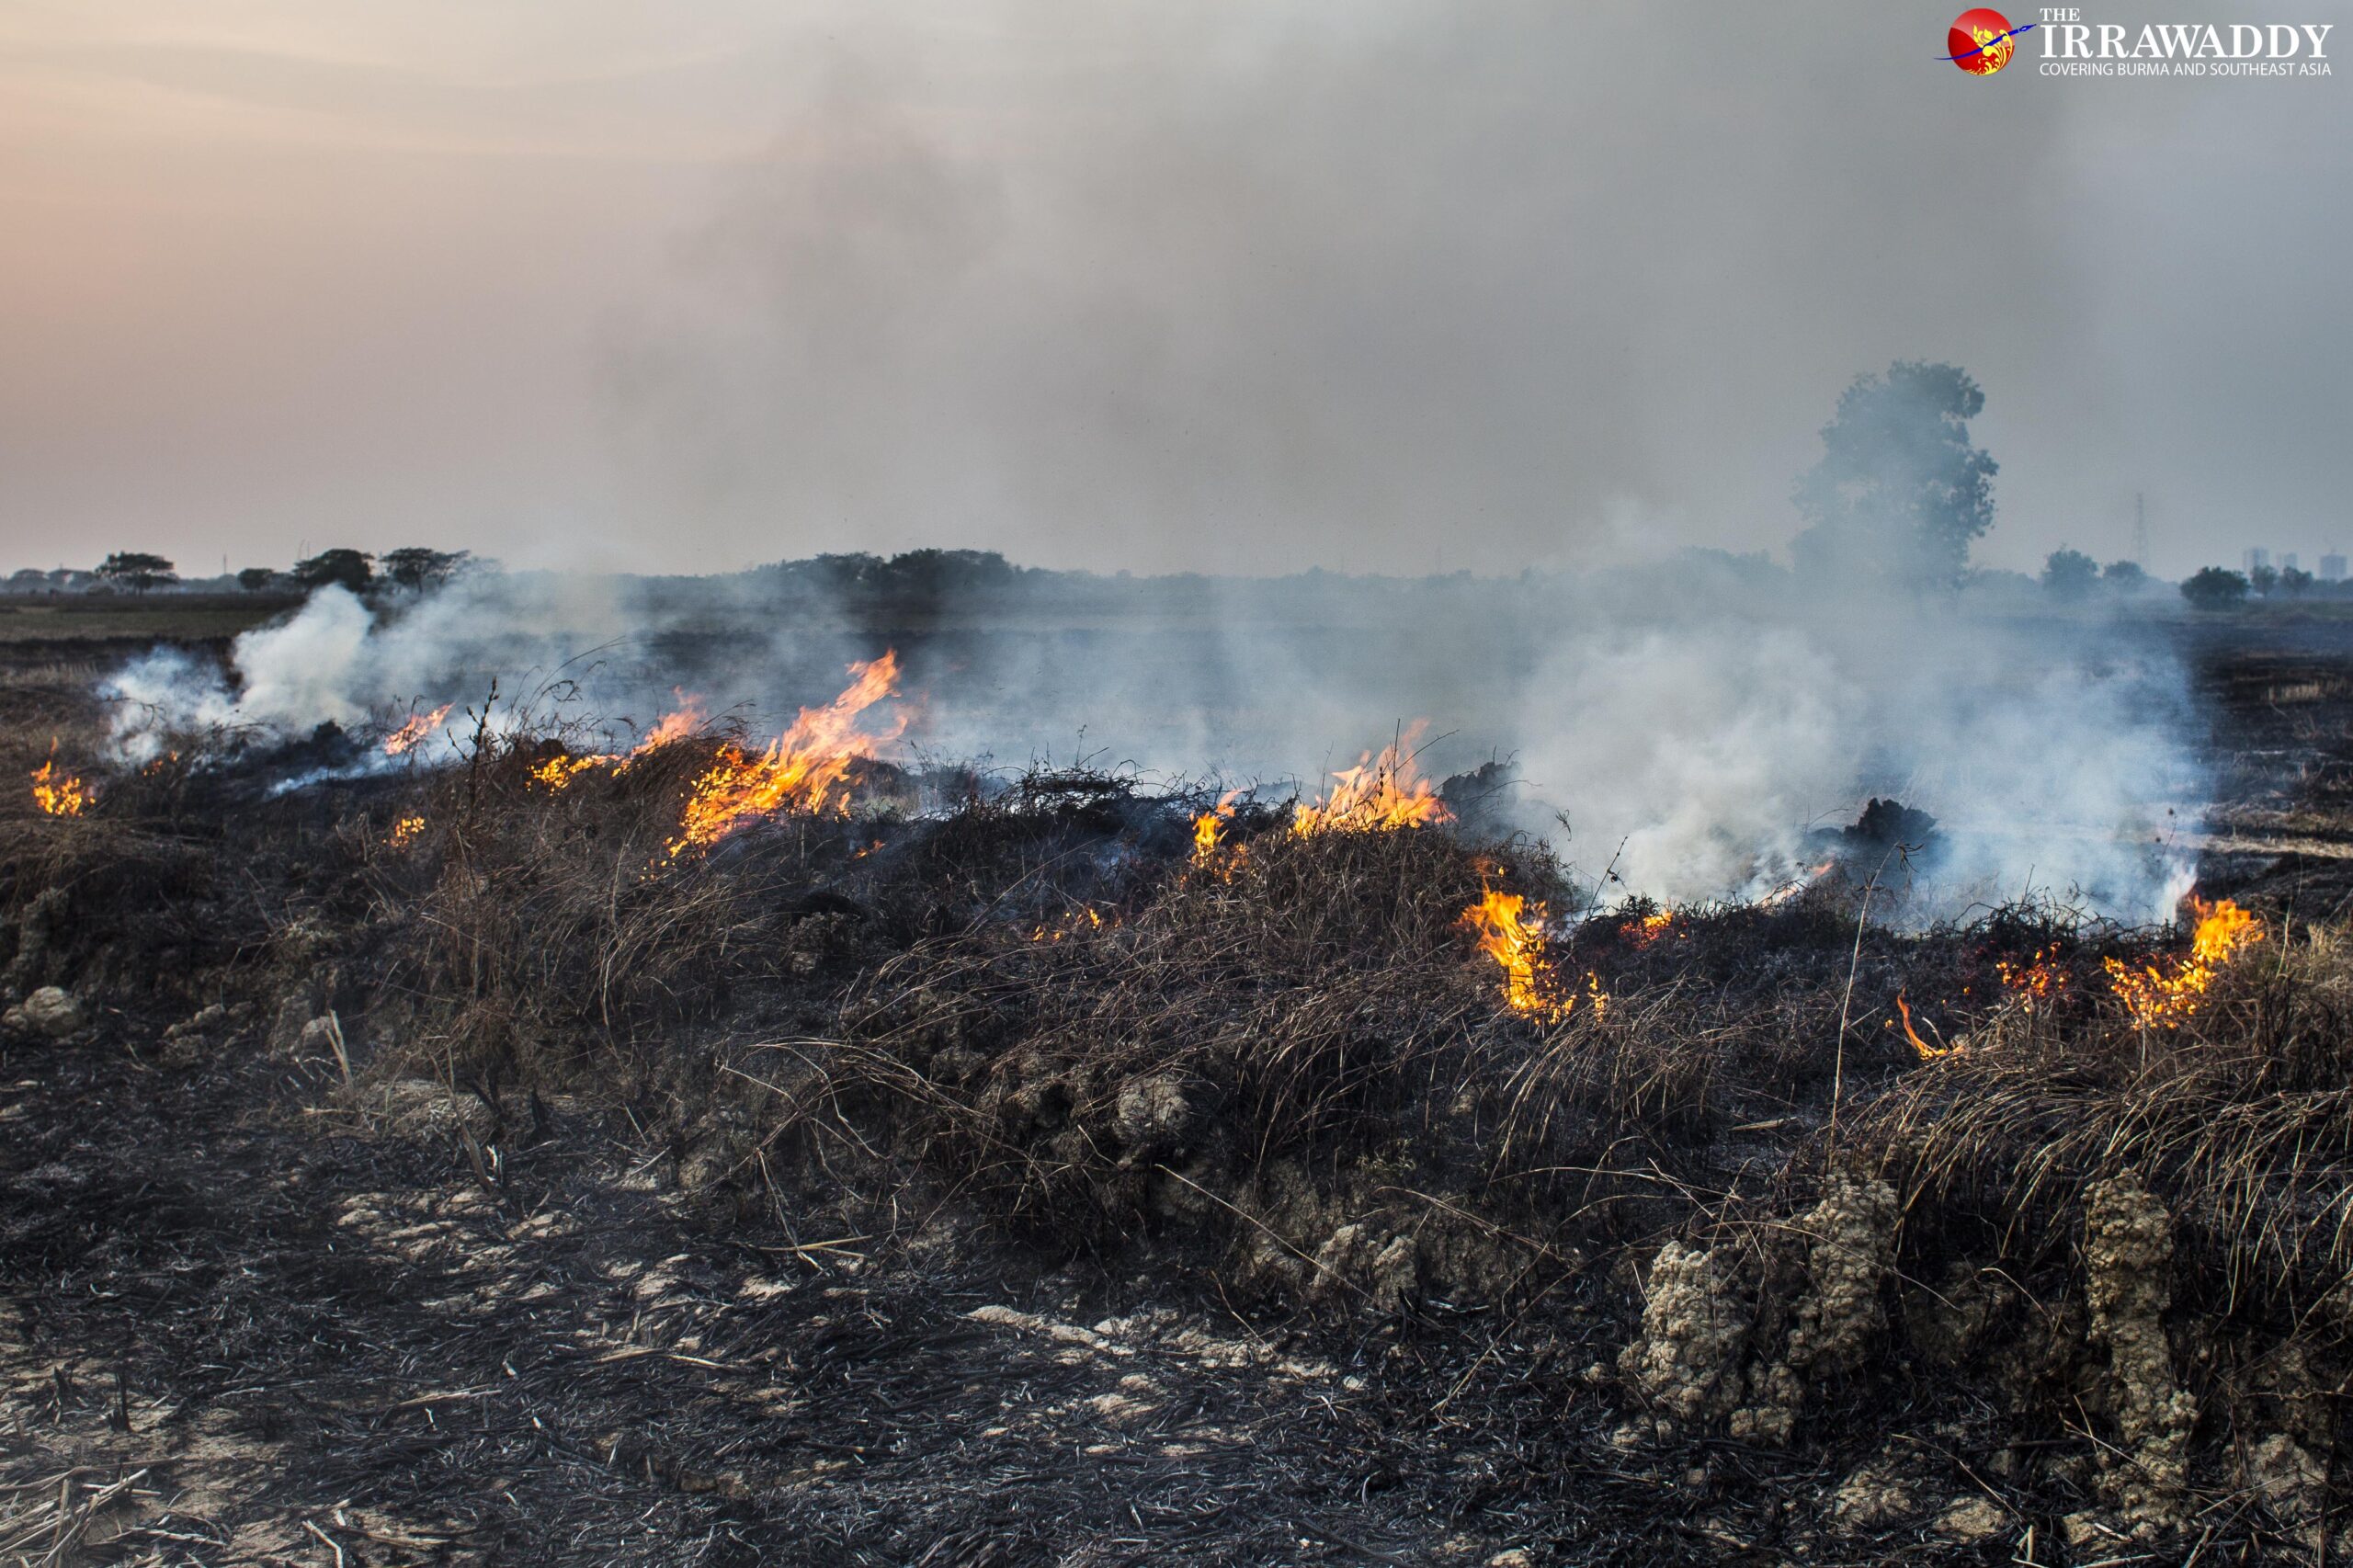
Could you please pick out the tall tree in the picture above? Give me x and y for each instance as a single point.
(2069, 573)
(136, 570)
(351, 568)
(1900, 492)
(415, 567)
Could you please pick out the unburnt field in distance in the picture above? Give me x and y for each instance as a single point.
(440, 1166)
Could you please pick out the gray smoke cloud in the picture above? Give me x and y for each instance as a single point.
(1684, 733)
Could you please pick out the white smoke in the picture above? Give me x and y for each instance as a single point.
(1700, 755)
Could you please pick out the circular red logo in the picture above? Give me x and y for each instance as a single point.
(1980, 42)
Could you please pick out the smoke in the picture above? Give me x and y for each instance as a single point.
(1713, 752)
(1701, 727)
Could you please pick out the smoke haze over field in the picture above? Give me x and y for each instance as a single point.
(1696, 729)
(1227, 286)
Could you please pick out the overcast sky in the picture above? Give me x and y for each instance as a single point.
(1237, 285)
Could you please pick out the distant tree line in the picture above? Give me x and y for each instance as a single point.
(412, 569)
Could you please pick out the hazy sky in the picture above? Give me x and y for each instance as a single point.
(1240, 285)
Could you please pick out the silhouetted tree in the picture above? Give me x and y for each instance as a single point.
(2295, 582)
(2125, 576)
(135, 569)
(2069, 573)
(2262, 579)
(2215, 588)
(415, 567)
(1899, 492)
(351, 568)
(254, 579)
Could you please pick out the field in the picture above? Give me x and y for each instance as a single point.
(477, 1165)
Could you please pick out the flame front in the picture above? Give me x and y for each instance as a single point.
(558, 772)
(413, 734)
(404, 831)
(803, 770)
(1378, 795)
(60, 794)
(2165, 993)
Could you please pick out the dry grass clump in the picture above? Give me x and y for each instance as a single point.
(2241, 1120)
(1304, 997)
(534, 928)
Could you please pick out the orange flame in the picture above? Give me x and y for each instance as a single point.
(803, 770)
(1511, 931)
(1378, 795)
(558, 772)
(2040, 981)
(413, 734)
(1651, 928)
(60, 794)
(675, 725)
(2165, 993)
(404, 831)
(1209, 828)
(1927, 1053)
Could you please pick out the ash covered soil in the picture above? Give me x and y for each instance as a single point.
(1020, 1182)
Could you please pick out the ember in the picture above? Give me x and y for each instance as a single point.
(2039, 980)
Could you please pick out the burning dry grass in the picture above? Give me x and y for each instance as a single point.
(1352, 1067)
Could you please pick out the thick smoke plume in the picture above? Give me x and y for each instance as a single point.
(1687, 731)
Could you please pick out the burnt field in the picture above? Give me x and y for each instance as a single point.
(709, 1150)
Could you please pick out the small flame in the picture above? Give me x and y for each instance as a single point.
(1511, 931)
(674, 725)
(1651, 928)
(404, 831)
(60, 794)
(803, 770)
(1209, 828)
(2040, 979)
(2165, 993)
(1927, 1053)
(1378, 795)
(558, 772)
(413, 734)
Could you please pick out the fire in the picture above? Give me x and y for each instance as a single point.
(1376, 796)
(557, 772)
(803, 770)
(1927, 1053)
(1511, 931)
(60, 794)
(1651, 928)
(413, 734)
(404, 831)
(1209, 828)
(2039, 980)
(675, 725)
(2165, 993)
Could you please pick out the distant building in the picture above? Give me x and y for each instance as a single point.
(2258, 557)
(2288, 560)
(2332, 568)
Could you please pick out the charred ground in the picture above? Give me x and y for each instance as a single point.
(1008, 1181)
